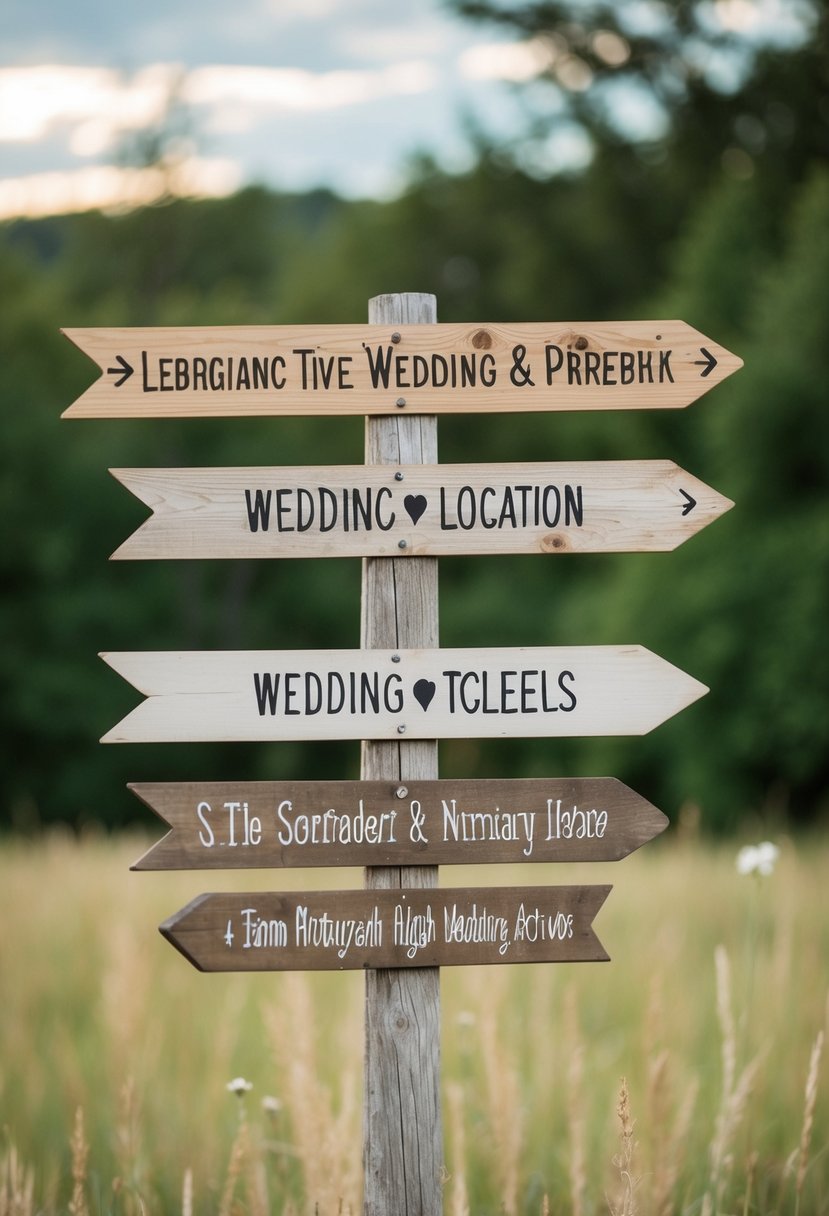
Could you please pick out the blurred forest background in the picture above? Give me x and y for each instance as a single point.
(722, 221)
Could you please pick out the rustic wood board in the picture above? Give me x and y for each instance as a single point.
(285, 824)
(560, 691)
(382, 369)
(354, 930)
(400, 511)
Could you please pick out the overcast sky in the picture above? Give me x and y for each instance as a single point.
(294, 93)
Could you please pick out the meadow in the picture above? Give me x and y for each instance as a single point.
(685, 1076)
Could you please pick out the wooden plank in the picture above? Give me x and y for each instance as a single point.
(402, 1125)
(399, 511)
(354, 930)
(397, 367)
(284, 824)
(552, 691)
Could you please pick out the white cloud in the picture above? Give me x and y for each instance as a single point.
(514, 61)
(106, 187)
(297, 89)
(34, 101)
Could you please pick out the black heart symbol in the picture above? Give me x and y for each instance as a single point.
(424, 690)
(415, 505)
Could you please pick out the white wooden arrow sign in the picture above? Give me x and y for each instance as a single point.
(377, 511)
(416, 694)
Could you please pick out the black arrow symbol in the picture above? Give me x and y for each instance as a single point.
(126, 371)
(690, 502)
(709, 362)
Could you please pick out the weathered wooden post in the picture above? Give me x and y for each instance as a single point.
(402, 1139)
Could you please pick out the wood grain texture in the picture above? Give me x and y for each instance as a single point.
(432, 369)
(436, 510)
(402, 1123)
(400, 929)
(285, 824)
(530, 692)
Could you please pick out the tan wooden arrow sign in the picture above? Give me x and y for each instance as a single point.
(282, 824)
(384, 511)
(352, 930)
(377, 369)
(383, 694)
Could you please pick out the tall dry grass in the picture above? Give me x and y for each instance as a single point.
(713, 1010)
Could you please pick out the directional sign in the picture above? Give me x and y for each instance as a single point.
(383, 694)
(384, 511)
(352, 930)
(382, 369)
(249, 825)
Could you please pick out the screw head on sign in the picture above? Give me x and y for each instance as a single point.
(401, 544)
(401, 730)
(401, 791)
(395, 658)
(395, 338)
(398, 477)
(400, 402)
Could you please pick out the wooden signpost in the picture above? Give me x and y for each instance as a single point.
(354, 930)
(437, 510)
(397, 367)
(284, 824)
(400, 692)
(545, 691)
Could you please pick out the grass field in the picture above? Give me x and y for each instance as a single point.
(682, 1077)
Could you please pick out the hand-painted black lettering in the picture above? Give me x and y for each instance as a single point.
(267, 690)
(165, 375)
(283, 509)
(508, 690)
(564, 677)
(305, 512)
(313, 693)
(379, 365)
(573, 506)
(528, 691)
(146, 387)
(555, 358)
(259, 510)
(487, 521)
(291, 678)
(445, 526)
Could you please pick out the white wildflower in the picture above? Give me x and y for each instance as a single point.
(758, 858)
(271, 1105)
(239, 1086)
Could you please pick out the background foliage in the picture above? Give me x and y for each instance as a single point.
(721, 220)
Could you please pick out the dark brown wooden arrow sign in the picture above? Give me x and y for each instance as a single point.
(250, 825)
(542, 691)
(384, 511)
(381, 369)
(352, 930)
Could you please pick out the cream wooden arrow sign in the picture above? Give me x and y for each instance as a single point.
(352, 930)
(376, 369)
(383, 694)
(276, 824)
(385, 511)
